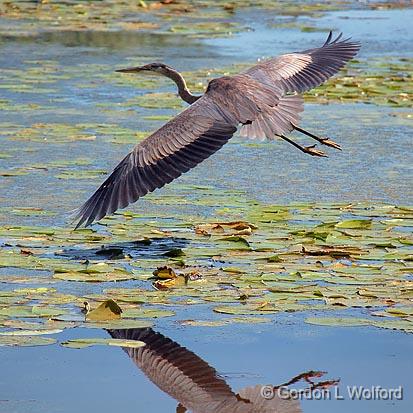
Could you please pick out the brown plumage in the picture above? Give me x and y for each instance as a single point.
(193, 382)
(263, 101)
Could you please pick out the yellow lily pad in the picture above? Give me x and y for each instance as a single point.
(108, 310)
(88, 342)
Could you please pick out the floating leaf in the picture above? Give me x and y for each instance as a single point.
(357, 322)
(338, 321)
(146, 313)
(88, 342)
(355, 224)
(226, 321)
(26, 341)
(236, 239)
(400, 311)
(35, 311)
(108, 310)
(94, 277)
(29, 325)
(123, 323)
(81, 174)
(30, 332)
(204, 323)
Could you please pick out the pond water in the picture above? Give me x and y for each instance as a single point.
(59, 86)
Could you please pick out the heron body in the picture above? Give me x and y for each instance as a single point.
(262, 102)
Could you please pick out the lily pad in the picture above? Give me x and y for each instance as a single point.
(26, 341)
(108, 310)
(35, 311)
(123, 323)
(146, 313)
(88, 342)
(30, 332)
(94, 277)
(355, 224)
(403, 325)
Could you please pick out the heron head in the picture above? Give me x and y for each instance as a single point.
(160, 68)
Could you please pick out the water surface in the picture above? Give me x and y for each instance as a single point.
(375, 166)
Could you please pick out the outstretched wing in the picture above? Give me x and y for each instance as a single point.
(176, 370)
(186, 140)
(191, 381)
(302, 71)
(178, 146)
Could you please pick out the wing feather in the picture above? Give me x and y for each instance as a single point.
(176, 370)
(158, 160)
(276, 120)
(302, 71)
(191, 381)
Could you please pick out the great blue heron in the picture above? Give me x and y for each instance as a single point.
(264, 101)
(196, 385)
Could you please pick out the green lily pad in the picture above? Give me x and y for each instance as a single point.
(94, 277)
(146, 313)
(355, 224)
(338, 321)
(81, 174)
(26, 341)
(35, 311)
(225, 321)
(403, 325)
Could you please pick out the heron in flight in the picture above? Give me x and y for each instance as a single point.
(196, 385)
(264, 101)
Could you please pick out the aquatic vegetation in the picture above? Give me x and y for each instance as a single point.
(87, 342)
(382, 83)
(295, 258)
(404, 324)
(207, 30)
(156, 101)
(207, 18)
(214, 252)
(24, 341)
(225, 321)
(126, 15)
(108, 310)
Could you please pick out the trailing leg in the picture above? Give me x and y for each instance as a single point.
(323, 141)
(306, 149)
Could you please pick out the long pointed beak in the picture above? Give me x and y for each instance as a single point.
(130, 69)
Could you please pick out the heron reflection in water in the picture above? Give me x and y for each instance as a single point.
(195, 384)
(264, 102)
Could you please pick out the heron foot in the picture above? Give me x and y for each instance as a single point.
(329, 142)
(323, 141)
(311, 150)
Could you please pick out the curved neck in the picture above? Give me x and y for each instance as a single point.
(183, 91)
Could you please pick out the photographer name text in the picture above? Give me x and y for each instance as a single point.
(335, 393)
